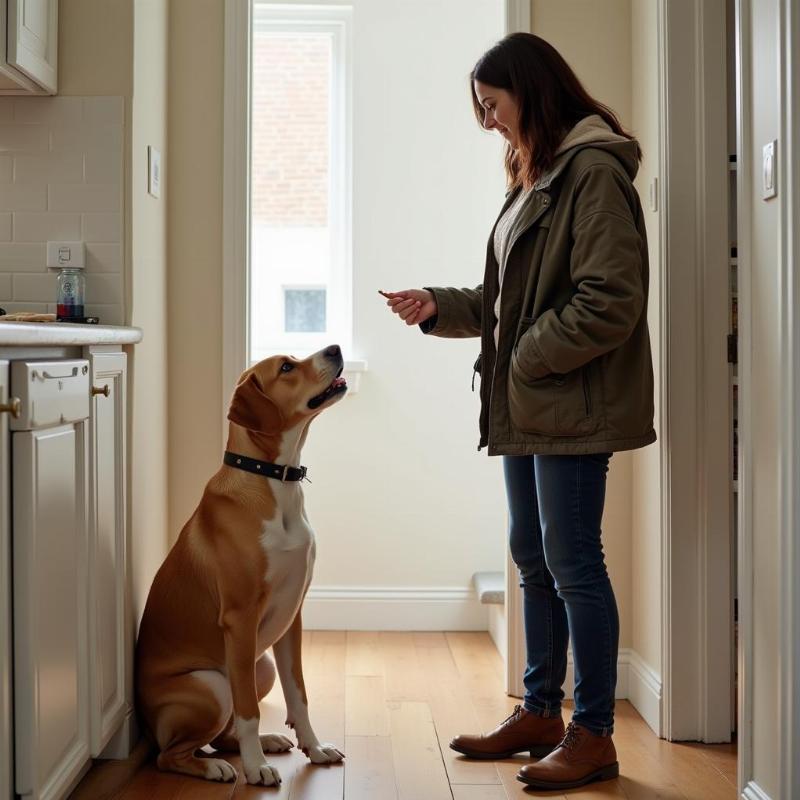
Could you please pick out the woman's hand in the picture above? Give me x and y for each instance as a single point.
(412, 305)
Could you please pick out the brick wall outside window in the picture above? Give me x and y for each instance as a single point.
(290, 129)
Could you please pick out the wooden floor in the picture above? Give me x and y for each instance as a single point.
(394, 701)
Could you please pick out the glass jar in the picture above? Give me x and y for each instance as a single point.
(71, 290)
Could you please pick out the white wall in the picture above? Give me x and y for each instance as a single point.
(595, 40)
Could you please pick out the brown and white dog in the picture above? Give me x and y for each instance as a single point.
(233, 585)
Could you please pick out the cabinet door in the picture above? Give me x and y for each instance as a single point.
(33, 40)
(110, 632)
(51, 709)
(5, 594)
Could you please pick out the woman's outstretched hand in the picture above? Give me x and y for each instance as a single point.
(412, 305)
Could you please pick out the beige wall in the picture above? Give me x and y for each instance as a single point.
(148, 297)
(766, 382)
(595, 40)
(101, 54)
(196, 73)
(645, 489)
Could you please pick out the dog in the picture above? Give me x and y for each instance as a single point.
(233, 585)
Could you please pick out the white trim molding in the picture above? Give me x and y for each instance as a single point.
(789, 250)
(375, 608)
(754, 792)
(697, 618)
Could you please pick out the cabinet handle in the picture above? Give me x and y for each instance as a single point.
(13, 407)
(105, 391)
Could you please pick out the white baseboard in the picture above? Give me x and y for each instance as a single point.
(123, 741)
(366, 608)
(636, 682)
(754, 792)
(497, 628)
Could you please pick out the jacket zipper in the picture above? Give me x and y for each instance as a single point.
(586, 395)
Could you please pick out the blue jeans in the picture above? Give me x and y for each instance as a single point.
(555, 509)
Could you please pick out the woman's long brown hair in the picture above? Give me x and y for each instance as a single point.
(551, 101)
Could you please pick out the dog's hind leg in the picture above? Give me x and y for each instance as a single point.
(192, 710)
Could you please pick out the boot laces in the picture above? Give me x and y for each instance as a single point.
(513, 716)
(571, 736)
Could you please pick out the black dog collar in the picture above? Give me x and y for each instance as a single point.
(282, 472)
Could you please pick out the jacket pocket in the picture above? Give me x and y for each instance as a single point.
(555, 405)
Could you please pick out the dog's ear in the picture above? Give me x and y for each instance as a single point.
(252, 409)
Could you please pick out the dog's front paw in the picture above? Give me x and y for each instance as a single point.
(275, 743)
(261, 773)
(323, 754)
(217, 769)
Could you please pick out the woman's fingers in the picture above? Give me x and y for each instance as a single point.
(406, 312)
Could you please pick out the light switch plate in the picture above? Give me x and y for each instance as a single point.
(769, 173)
(153, 171)
(66, 254)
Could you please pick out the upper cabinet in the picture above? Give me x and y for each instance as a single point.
(28, 46)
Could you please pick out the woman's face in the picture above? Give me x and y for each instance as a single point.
(500, 111)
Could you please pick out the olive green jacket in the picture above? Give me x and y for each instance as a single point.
(572, 372)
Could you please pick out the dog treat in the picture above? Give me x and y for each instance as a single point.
(384, 294)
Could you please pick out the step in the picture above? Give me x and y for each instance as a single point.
(490, 587)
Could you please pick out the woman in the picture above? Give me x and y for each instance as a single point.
(566, 380)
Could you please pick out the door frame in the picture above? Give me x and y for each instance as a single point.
(697, 610)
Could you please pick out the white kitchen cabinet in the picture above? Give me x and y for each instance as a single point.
(110, 632)
(6, 408)
(50, 584)
(28, 46)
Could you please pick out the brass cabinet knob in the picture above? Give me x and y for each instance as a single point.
(105, 391)
(13, 407)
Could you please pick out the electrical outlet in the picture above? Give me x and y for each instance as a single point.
(66, 254)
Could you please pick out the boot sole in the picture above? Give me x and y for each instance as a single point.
(538, 751)
(604, 774)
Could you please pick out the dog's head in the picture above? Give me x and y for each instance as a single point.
(278, 392)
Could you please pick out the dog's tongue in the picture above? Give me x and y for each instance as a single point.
(338, 382)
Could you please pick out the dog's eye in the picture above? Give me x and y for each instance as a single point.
(287, 366)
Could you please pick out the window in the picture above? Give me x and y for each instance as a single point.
(300, 285)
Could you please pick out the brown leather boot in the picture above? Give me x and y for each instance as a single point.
(581, 757)
(520, 731)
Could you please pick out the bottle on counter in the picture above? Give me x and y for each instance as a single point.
(71, 291)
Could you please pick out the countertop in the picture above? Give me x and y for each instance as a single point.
(35, 334)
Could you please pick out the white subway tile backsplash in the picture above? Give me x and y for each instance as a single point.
(61, 178)
(24, 138)
(103, 110)
(34, 287)
(85, 137)
(48, 110)
(47, 227)
(23, 197)
(103, 257)
(101, 228)
(83, 197)
(104, 288)
(23, 257)
(103, 166)
(49, 168)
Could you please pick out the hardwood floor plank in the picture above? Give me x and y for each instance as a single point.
(364, 653)
(418, 766)
(405, 681)
(479, 792)
(365, 706)
(369, 769)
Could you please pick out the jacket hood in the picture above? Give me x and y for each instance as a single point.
(592, 131)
